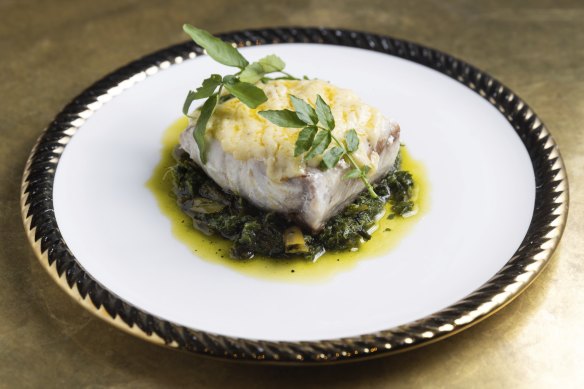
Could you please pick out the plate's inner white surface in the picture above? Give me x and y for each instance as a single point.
(482, 196)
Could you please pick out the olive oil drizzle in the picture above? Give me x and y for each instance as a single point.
(387, 233)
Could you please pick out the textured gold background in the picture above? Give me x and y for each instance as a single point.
(51, 51)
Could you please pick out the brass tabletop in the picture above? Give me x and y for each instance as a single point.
(51, 51)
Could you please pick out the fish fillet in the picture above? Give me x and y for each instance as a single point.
(310, 199)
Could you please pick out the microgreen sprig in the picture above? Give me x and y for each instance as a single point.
(314, 139)
(240, 85)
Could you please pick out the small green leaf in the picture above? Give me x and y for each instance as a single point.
(272, 63)
(252, 73)
(304, 111)
(230, 79)
(283, 118)
(352, 140)
(325, 116)
(225, 97)
(204, 91)
(188, 101)
(201, 125)
(220, 51)
(247, 93)
(257, 70)
(321, 142)
(332, 157)
(305, 139)
(208, 87)
(355, 173)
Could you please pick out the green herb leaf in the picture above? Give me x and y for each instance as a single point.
(247, 93)
(225, 97)
(188, 101)
(272, 63)
(220, 51)
(201, 125)
(208, 87)
(352, 140)
(230, 79)
(304, 111)
(252, 73)
(204, 91)
(321, 142)
(332, 157)
(257, 70)
(354, 173)
(325, 116)
(305, 139)
(283, 118)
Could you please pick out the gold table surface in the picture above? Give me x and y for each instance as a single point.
(51, 51)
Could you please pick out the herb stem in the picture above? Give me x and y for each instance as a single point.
(288, 75)
(354, 163)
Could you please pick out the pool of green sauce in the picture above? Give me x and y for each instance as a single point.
(216, 249)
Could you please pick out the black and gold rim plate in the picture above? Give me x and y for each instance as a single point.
(545, 230)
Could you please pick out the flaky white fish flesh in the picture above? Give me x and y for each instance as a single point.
(310, 199)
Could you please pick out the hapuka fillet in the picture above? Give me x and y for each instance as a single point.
(252, 157)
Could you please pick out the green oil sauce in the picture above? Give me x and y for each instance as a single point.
(215, 249)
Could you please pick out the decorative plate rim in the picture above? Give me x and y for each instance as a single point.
(543, 235)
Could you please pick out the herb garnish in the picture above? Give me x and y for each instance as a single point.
(316, 135)
(240, 84)
(313, 139)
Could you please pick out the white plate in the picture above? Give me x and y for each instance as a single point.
(482, 200)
